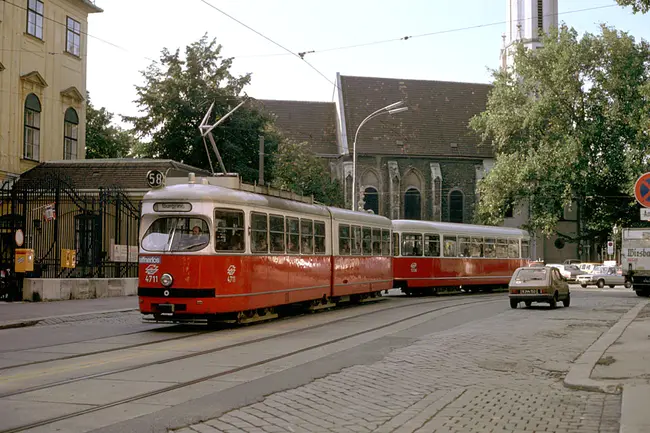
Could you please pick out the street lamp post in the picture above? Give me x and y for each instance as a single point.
(389, 109)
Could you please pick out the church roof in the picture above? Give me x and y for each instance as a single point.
(436, 123)
(313, 122)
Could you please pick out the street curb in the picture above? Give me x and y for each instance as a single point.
(64, 318)
(579, 375)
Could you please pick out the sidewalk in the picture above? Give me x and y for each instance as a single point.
(620, 359)
(20, 314)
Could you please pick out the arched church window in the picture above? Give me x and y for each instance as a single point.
(371, 199)
(456, 207)
(412, 205)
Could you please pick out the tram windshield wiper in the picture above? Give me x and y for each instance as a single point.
(200, 244)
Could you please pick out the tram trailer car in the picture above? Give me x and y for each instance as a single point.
(212, 253)
(439, 256)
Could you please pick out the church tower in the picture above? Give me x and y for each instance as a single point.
(525, 21)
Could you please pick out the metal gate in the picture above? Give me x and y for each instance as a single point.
(100, 226)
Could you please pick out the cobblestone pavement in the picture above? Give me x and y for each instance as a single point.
(501, 374)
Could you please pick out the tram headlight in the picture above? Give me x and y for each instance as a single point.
(166, 280)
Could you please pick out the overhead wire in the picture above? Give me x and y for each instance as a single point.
(405, 38)
(298, 55)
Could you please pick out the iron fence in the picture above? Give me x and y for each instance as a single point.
(100, 226)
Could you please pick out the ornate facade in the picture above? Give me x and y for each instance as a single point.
(43, 45)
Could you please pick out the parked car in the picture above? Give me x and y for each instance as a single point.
(566, 274)
(538, 284)
(588, 267)
(571, 262)
(575, 271)
(604, 276)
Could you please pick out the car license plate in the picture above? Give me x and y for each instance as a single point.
(528, 291)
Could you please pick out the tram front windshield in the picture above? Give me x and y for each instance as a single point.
(177, 234)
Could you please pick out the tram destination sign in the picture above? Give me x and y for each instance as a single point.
(172, 207)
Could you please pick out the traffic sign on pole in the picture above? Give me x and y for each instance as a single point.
(642, 190)
(610, 247)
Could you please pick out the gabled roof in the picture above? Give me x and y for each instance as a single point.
(313, 122)
(436, 123)
(34, 77)
(74, 93)
(126, 173)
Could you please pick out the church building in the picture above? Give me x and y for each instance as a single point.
(423, 163)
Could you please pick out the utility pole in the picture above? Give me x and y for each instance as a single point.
(261, 182)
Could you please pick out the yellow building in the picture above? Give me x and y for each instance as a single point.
(43, 46)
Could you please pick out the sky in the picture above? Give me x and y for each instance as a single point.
(130, 34)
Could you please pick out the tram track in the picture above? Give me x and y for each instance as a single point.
(98, 352)
(148, 343)
(484, 298)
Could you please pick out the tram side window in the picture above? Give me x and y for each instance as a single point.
(450, 246)
(396, 244)
(307, 236)
(319, 237)
(513, 248)
(477, 247)
(490, 248)
(356, 240)
(259, 233)
(463, 244)
(229, 233)
(432, 245)
(293, 236)
(367, 241)
(344, 240)
(376, 242)
(525, 249)
(176, 234)
(385, 242)
(411, 244)
(502, 248)
(277, 233)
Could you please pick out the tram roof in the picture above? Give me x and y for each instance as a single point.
(467, 229)
(193, 192)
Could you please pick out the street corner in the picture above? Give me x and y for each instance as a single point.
(596, 368)
(628, 358)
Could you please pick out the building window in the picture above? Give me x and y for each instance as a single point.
(412, 208)
(70, 134)
(73, 37)
(540, 16)
(456, 207)
(32, 138)
(35, 18)
(371, 200)
(509, 210)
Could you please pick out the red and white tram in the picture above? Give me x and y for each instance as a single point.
(209, 252)
(436, 256)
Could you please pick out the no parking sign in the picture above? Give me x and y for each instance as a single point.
(642, 190)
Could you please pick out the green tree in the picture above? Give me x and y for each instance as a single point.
(175, 97)
(297, 169)
(103, 139)
(571, 124)
(642, 6)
